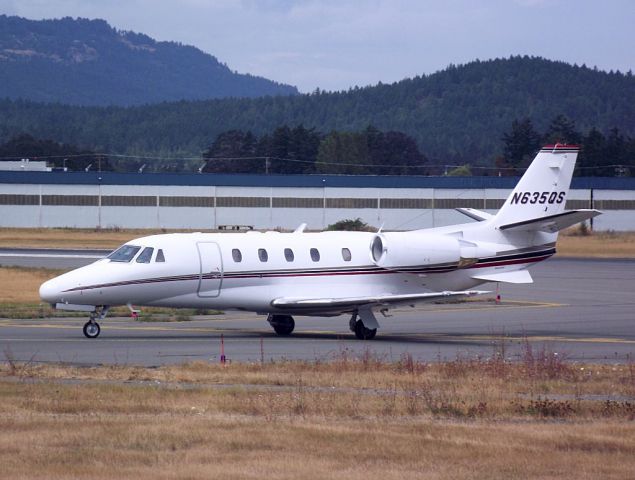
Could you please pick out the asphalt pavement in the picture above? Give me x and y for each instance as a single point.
(583, 310)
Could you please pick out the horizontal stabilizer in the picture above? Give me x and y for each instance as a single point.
(348, 303)
(552, 223)
(477, 215)
(518, 276)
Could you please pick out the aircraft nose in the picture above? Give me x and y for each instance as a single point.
(49, 291)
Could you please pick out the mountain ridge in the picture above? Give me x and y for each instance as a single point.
(89, 63)
(457, 115)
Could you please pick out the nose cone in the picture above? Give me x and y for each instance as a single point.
(49, 291)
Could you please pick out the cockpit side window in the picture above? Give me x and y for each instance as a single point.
(160, 256)
(146, 255)
(125, 253)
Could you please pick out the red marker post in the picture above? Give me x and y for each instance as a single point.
(222, 349)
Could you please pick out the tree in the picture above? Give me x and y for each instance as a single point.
(344, 153)
(55, 154)
(461, 171)
(350, 225)
(291, 150)
(520, 144)
(233, 152)
(615, 153)
(392, 152)
(562, 130)
(592, 154)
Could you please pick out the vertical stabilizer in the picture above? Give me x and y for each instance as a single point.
(543, 189)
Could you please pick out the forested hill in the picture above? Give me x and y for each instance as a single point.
(87, 62)
(457, 115)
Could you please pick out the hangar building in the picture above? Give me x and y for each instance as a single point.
(210, 201)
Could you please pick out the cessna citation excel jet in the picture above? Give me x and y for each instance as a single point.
(332, 273)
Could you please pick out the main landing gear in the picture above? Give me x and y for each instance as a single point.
(91, 327)
(282, 324)
(363, 324)
(360, 330)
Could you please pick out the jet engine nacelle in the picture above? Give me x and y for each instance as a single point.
(396, 251)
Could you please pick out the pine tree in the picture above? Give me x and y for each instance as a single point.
(562, 130)
(521, 144)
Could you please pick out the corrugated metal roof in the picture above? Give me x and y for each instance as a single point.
(247, 180)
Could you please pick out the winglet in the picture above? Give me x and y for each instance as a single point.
(300, 228)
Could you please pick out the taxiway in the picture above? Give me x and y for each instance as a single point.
(583, 310)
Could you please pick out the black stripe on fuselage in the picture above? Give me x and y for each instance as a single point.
(525, 256)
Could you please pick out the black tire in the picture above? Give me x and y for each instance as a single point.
(364, 333)
(91, 329)
(282, 324)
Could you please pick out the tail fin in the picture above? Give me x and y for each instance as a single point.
(542, 191)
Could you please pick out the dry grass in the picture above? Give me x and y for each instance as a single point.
(601, 245)
(69, 237)
(349, 418)
(21, 285)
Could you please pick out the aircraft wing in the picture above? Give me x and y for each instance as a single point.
(348, 303)
(552, 223)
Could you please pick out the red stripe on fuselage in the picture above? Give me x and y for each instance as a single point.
(230, 276)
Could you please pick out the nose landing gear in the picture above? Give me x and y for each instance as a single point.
(91, 327)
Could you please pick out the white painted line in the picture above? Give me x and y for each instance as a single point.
(48, 255)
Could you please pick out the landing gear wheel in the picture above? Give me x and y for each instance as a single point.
(352, 322)
(283, 329)
(364, 333)
(282, 324)
(91, 329)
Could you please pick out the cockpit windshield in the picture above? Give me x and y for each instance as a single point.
(146, 255)
(125, 253)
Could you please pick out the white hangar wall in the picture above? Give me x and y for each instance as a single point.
(267, 207)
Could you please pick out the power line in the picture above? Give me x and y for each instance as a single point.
(282, 159)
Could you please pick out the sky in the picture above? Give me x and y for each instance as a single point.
(339, 44)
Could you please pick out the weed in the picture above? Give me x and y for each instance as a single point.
(611, 408)
(545, 407)
(407, 364)
(544, 363)
(15, 367)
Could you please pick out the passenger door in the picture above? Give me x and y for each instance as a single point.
(210, 277)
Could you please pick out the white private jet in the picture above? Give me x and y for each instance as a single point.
(332, 273)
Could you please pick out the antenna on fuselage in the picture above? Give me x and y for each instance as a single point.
(300, 228)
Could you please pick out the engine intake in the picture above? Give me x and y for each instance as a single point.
(397, 251)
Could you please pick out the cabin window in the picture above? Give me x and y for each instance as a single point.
(160, 256)
(146, 255)
(263, 255)
(237, 255)
(315, 255)
(346, 254)
(288, 254)
(124, 253)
